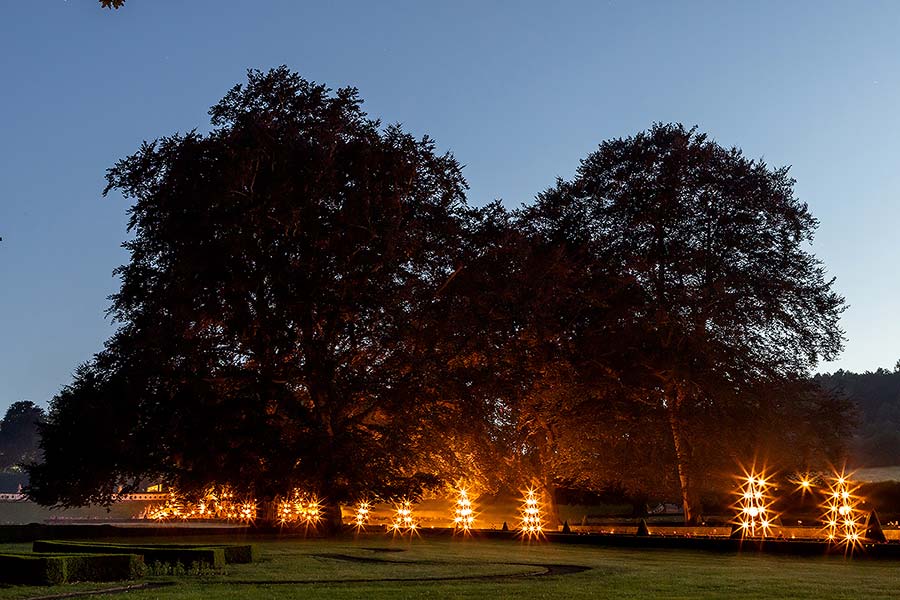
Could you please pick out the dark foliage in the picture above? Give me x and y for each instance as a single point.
(209, 556)
(270, 316)
(32, 569)
(19, 438)
(717, 299)
(876, 396)
(309, 303)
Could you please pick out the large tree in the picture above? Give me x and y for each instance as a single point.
(710, 250)
(272, 315)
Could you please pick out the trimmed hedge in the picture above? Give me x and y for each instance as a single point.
(32, 569)
(234, 553)
(81, 531)
(203, 555)
(52, 569)
(239, 554)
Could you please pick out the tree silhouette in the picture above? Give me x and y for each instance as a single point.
(710, 251)
(19, 434)
(270, 314)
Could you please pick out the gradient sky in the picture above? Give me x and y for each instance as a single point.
(518, 91)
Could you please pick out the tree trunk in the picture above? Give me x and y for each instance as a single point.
(267, 517)
(332, 518)
(690, 501)
(550, 507)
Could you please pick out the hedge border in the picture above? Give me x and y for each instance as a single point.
(204, 555)
(53, 569)
(234, 553)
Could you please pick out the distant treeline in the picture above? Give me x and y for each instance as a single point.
(19, 437)
(877, 397)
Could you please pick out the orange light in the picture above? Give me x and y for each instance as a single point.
(753, 514)
(463, 514)
(531, 521)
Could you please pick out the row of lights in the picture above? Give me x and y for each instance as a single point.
(841, 515)
(301, 509)
(531, 521)
(216, 503)
(755, 517)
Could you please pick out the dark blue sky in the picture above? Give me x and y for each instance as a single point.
(519, 91)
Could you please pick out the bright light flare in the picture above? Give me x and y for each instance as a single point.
(363, 512)
(301, 509)
(754, 515)
(404, 521)
(217, 503)
(532, 524)
(463, 514)
(842, 516)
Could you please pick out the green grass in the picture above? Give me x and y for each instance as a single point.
(444, 568)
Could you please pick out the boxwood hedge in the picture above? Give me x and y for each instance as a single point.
(209, 556)
(51, 569)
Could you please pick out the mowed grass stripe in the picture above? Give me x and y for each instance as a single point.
(477, 568)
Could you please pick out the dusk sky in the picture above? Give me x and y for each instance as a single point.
(518, 91)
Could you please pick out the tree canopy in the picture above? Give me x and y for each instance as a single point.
(310, 303)
(723, 301)
(633, 319)
(269, 315)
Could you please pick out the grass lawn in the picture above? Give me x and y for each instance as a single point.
(375, 566)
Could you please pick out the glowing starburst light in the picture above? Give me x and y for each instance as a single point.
(842, 517)
(531, 521)
(361, 518)
(216, 503)
(301, 509)
(463, 515)
(754, 515)
(403, 518)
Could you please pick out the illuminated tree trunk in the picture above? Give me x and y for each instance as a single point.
(550, 507)
(689, 498)
(267, 517)
(332, 518)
